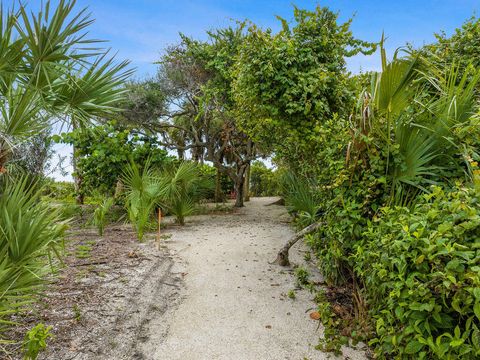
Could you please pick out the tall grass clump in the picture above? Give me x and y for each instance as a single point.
(100, 219)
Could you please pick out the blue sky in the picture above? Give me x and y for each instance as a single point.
(140, 29)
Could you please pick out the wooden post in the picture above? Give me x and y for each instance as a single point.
(159, 222)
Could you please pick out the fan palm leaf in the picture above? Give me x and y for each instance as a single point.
(29, 230)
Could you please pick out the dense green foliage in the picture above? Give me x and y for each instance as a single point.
(263, 181)
(461, 48)
(103, 151)
(30, 230)
(387, 162)
(287, 83)
(50, 72)
(408, 251)
(421, 271)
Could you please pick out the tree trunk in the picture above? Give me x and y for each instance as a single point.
(181, 154)
(218, 187)
(247, 183)
(239, 187)
(282, 256)
(78, 178)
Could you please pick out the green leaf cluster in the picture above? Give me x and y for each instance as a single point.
(30, 231)
(104, 150)
(287, 84)
(421, 274)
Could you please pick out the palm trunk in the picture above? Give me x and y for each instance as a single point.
(78, 178)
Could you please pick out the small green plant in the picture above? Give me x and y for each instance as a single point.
(181, 188)
(302, 276)
(83, 251)
(77, 313)
(332, 340)
(100, 215)
(291, 294)
(308, 256)
(35, 341)
(141, 187)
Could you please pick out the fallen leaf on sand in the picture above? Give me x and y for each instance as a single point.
(315, 315)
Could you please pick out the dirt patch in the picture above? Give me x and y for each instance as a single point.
(104, 295)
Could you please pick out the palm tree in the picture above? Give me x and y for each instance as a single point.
(29, 231)
(50, 71)
(412, 111)
(176, 190)
(181, 188)
(142, 188)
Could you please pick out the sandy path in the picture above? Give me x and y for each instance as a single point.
(233, 302)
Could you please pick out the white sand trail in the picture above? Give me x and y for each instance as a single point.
(234, 304)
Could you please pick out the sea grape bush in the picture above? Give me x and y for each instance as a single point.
(421, 270)
(103, 151)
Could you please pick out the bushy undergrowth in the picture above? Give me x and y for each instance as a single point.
(397, 188)
(421, 274)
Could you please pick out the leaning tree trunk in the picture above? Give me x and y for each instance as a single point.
(282, 256)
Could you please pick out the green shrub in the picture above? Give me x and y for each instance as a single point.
(263, 181)
(59, 190)
(181, 188)
(36, 341)
(421, 270)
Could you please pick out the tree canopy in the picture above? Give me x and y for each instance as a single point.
(286, 84)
